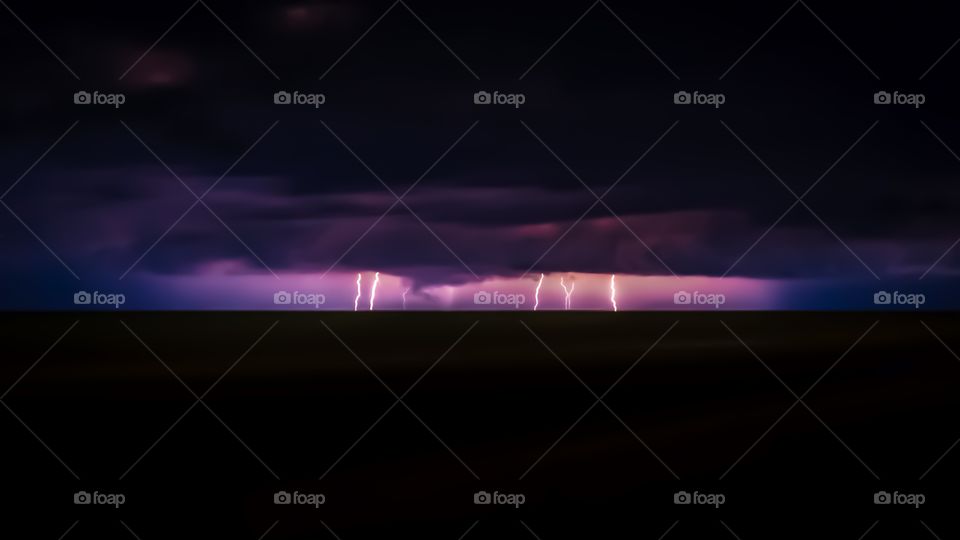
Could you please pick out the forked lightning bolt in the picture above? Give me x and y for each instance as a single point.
(536, 294)
(404, 298)
(613, 291)
(356, 301)
(373, 289)
(566, 301)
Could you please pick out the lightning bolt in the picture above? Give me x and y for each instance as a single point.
(566, 302)
(373, 289)
(405, 291)
(613, 291)
(356, 301)
(536, 294)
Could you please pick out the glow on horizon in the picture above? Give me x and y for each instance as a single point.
(218, 289)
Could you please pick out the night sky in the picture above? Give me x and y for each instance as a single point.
(295, 197)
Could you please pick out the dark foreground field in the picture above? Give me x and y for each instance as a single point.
(596, 419)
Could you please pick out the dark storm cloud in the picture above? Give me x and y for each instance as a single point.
(600, 100)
